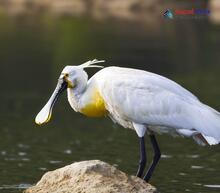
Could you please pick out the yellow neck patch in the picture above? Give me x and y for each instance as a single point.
(95, 107)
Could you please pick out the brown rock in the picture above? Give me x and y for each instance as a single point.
(90, 177)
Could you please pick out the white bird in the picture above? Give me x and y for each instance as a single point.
(139, 100)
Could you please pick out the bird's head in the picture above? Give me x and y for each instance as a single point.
(71, 77)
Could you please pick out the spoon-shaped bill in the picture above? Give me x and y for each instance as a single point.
(45, 114)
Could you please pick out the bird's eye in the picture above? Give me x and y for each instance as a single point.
(65, 75)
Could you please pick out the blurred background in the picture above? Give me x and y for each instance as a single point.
(39, 37)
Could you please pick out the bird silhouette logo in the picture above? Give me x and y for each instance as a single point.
(168, 14)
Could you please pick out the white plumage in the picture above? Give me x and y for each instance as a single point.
(136, 96)
(138, 100)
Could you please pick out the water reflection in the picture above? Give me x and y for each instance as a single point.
(197, 167)
(11, 187)
(32, 55)
(212, 186)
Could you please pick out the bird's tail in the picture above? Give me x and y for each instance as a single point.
(202, 139)
(207, 123)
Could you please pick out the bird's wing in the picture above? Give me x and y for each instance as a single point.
(151, 99)
(141, 79)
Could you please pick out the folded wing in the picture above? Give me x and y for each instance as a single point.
(147, 98)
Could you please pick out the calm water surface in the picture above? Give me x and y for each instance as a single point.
(33, 51)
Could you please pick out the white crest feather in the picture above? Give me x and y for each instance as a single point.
(89, 64)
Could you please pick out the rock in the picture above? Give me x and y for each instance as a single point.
(90, 177)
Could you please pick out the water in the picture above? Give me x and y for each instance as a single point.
(34, 51)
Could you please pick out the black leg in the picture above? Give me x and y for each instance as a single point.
(142, 162)
(156, 158)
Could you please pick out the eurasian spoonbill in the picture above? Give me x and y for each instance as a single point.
(137, 99)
